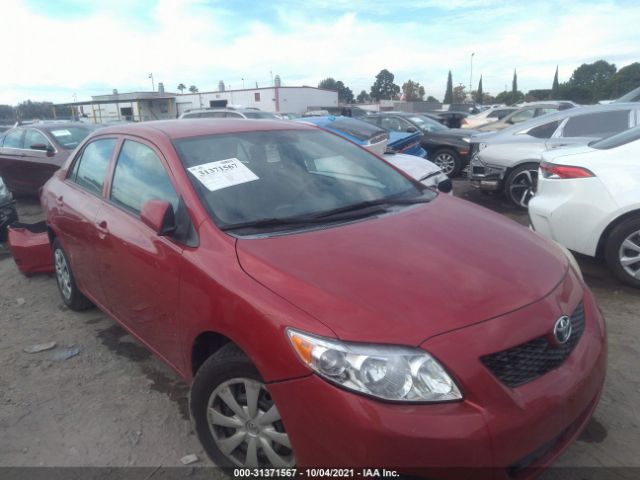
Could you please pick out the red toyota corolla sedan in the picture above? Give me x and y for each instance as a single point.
(327, 310)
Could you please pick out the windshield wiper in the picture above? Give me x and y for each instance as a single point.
(371, 203)
(347, 212)
(302, 220)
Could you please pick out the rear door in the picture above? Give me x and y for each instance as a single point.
(78, 205)
(140, 270)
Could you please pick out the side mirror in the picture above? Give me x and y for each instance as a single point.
(412, 129)
(158, 215)
(43, 147)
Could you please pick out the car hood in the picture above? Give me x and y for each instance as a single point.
(416, 167)
(404, 277)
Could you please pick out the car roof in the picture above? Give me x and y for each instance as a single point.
(561, 115)
(174, 129)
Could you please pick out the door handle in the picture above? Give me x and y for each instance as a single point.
(102, 229)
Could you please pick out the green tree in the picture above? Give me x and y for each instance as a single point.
(479, 96)
(363, 97)
(448, 96)
(432, 99)
(555, 87)
(34, 110)
(7, 114)
(384, 88)
(590, 82)
(193, 89)
(459, 95)
(514, 82)
(345, 95)
(509, 98)
(328, 84)
(181, 87)
(625, 80)
(413, 91)
(539, 94)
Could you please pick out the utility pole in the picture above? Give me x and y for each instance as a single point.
(153, 85)
(471, 74)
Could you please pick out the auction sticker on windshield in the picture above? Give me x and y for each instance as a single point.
(223, 174)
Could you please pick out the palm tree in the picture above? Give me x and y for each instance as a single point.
(181, 87)
(193, 89)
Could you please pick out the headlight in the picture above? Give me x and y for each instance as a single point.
(572, 260)
(388, 372)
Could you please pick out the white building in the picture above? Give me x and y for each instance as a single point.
(144, 106)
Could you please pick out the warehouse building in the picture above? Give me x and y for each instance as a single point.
(161, 105)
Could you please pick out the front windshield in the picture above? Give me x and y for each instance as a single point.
(254, 176)
(69, 137)
(427, 124)
(617, 140)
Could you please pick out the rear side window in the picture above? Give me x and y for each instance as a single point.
(13, 139)
(212, 115)
(34, 137)
(522, 116)
(88, 170)
(544, 131)
(600, 124)
(140, 177)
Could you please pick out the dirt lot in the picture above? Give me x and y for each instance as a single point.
(115, 405)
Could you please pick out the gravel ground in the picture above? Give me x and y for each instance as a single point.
(114, 404)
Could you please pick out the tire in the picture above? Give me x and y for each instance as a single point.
(228, 423)
(448, 160)
(521, 184)
(622, 251)
(71, 296)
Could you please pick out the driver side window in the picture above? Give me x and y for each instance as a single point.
(139, 177)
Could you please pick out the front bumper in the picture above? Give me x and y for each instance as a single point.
(485, 177)
(497, 432)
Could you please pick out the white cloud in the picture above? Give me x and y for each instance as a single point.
(196, 43)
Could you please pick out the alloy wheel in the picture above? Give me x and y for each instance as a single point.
(62, 274)
(523, 186)
(445, 161)
(629, 255)
(246, 425)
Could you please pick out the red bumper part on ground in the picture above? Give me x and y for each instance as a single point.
(30, 248)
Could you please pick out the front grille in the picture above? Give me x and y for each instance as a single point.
(526, 362)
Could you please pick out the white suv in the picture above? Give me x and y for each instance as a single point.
(588, 200)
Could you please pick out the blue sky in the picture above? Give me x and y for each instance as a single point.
(68, 47)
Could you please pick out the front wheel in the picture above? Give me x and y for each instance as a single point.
(449, 161)
(521, 184)
(235, 417)
(622, 252)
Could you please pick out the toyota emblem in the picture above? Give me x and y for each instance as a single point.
(562, 330)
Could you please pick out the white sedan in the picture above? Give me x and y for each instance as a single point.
(588, 199)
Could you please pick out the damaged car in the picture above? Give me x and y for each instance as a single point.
(328, 316)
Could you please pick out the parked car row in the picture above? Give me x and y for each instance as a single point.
(508, 160)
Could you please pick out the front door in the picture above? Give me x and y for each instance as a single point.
(140, 270)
